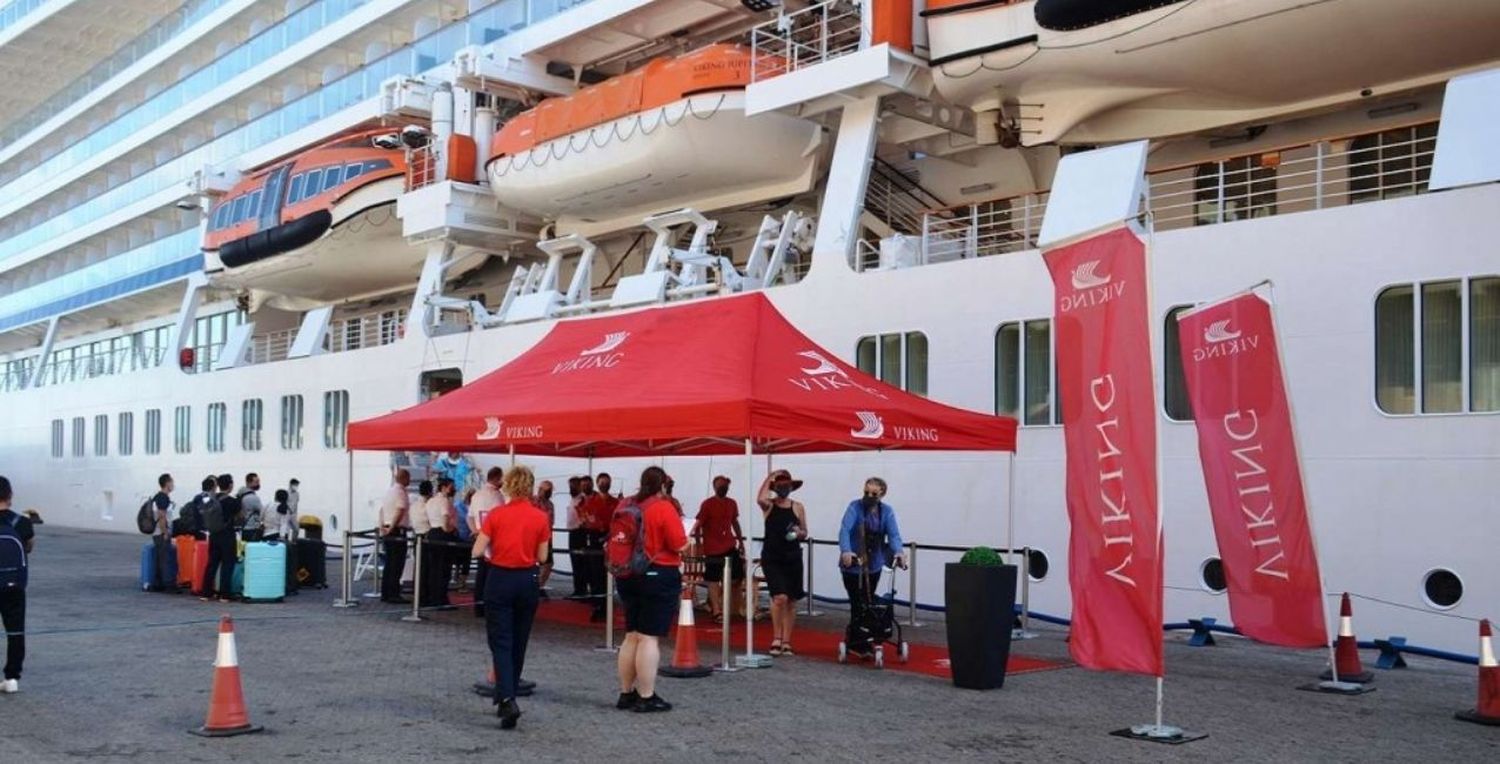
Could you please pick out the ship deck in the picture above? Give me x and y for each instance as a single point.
(115, 673)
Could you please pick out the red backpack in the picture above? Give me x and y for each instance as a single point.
(625, 548)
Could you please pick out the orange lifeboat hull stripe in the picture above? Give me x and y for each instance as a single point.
(658, 83)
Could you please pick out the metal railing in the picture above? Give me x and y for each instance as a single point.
(102, 364)
(1300, 178)
(365, 330)
(806, 37)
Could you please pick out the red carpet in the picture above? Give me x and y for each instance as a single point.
(811, 643)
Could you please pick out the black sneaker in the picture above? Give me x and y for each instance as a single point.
(652, 705)
(628, 700)
(508, 712)
(523, 685)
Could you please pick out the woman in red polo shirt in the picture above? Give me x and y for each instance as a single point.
(651, 600)
(517, 536)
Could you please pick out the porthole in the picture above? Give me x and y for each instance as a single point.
(1442, 588)
(1211, 575)
(1037, 564)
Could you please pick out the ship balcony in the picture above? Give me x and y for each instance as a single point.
(1324, 174)
(817, 58)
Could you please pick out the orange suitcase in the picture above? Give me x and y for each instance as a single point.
(185, 554)
(200, 563)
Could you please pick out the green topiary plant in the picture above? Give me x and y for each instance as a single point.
(982, 555)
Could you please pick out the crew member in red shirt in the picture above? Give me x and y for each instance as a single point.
(517, 537)
(598, 507)
(651, 599)
(718, 530)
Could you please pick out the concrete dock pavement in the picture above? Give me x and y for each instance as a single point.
(114, 673)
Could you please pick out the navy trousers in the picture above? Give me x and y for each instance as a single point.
(510, 601)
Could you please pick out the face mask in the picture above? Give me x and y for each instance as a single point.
(782, 490)
(870, 502)
(546, 494)
(721, 490)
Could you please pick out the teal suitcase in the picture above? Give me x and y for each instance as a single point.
(265, 571)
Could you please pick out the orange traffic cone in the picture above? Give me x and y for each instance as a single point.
(1346, 649)
(1488, 709)
(685, 662)
(226, 704)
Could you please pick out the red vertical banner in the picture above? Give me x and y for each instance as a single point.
(1250, 465)
(1106, 392)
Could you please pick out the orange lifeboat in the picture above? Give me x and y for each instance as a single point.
(285, 229)
(670, 134)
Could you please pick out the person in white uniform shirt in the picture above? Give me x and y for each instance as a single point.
(394, 509)
(485, 499)
(442, 519)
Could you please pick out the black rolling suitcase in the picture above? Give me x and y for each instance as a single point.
(312, 565)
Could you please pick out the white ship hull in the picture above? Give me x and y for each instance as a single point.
(1392, 497)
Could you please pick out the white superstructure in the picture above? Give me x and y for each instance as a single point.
(901, 233)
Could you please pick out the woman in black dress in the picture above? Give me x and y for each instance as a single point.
(781, 555)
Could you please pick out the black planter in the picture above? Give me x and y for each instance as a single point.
(981, 601)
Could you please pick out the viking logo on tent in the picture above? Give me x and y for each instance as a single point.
(492, 428)
(1085, 278)
(1218, 331)
(824, 366)
(611, 341)
(871, 426)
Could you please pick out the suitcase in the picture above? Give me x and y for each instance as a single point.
(265, 571)
(186, 558)
(158, 565)
(237, 581)
(200, 564)
(312, 566)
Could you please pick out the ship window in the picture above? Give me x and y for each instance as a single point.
(153, 431)
(101, 435)
(1025, 373)
(391, 322)
(898, 359)
(1174, 399)
(182, 433)
(251, 418)
(291, 422)
(1391, 163)
(335, 418)
(1442, 588)
(127, 433)
(78, 435)
(1211, 576)
(377, 164)
(1424, 332)
(352, 171)
(252, 209)
(1235, 189)
(294, 190)
(314, 178)
(238, 214)
(218, 419)
(219, 213)
(57, 438)
(332, 178)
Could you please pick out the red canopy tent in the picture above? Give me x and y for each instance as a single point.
(712, 377)
(702, 378)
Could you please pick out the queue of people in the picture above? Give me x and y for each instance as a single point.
(510, 517)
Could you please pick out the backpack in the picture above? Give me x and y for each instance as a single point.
(215, 520)
(190, 520)
(252, 519)
(625, 548)
(145, 519)
(12, 555)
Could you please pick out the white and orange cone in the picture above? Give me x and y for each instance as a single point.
(685, 661)
(1346, 649)
(1487, 711)
(226, 704)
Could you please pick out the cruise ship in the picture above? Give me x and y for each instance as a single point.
(230, 227)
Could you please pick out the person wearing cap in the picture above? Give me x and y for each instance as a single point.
(781, 555)
(514, 538)
(717, 530)
(868, 536)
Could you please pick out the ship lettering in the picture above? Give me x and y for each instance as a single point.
(916, 434)
(1227, 348)
(606, 361)
(1253, 488)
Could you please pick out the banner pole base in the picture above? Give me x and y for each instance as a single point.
(345, 603)
(1019, 634)
(1159, 733)
(1332, 687)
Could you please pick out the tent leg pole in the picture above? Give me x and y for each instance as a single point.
(1010, 504)
(750, 659)
(513, 456)
(347, 574)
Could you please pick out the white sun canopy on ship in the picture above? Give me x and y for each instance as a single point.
(1467, 153)
(1094, 190)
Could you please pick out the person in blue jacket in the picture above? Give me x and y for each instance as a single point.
(868, 537)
